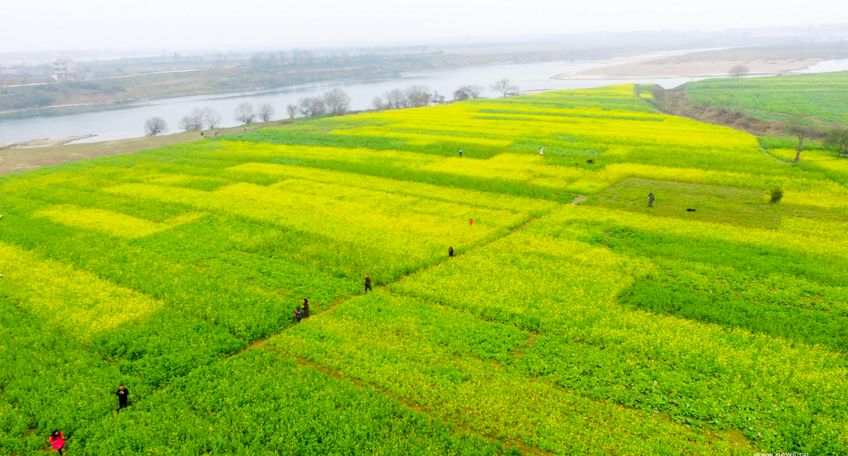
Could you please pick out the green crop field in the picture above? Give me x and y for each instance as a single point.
(812, 97)
(573, 319)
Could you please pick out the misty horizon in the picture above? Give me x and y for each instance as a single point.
(99, 25)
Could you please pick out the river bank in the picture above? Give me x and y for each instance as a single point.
(45, 142)
(127, 121)
(27, 158)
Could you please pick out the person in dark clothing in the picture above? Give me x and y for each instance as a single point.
(305, 308)
(650, 200)
(460, 153)
(368, 283)
(450, 251)
(123, 396)
(57, 441)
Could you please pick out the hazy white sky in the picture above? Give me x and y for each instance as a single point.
(190, 24)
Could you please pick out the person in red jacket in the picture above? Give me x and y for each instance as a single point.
(57, 439)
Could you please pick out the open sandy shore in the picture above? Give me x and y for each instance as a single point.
(44, 142)
(694, 65)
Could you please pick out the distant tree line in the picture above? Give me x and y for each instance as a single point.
(334, 102)
(199, 118)
(414, 96)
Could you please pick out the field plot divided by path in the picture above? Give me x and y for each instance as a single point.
(601, 327)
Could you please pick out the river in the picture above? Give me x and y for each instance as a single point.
(127, 121)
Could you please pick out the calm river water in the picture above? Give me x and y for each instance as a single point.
(127, 121)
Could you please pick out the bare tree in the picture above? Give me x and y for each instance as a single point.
(193, 121)
(337, 102)
(245, 113)
(155, 126)
(504, 87)
(313, 106)
(467, 92)
(378, 104)
(292, 111)
(737, 71)
(417, 96)
(211, 117)
(266, 112)
(802, 133)
(395, 99)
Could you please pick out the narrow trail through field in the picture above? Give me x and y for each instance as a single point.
(263, 342)
(778, 159)
(482, 243)
(259, 343)
(359, 383)
(519, 352)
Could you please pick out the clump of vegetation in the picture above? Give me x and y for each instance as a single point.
(838, 140)
(467, 92)
(737, 71)
(775, 195)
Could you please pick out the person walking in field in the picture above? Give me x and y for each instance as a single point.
(460, 153)
(368, 283)
(650, 199)
(123, 396)
(305, 308)
(57, 440)
(450, 251)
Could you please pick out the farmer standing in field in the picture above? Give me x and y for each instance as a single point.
(460, 153)
(123, 396)
(305, 308)
(450, 251)
(650, 199)
(368, 283)
(57, 440)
